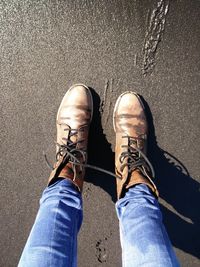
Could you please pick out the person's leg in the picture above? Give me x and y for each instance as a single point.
(144, 239)
(53, 238)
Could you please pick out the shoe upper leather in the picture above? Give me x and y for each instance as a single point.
(131, 127)
(73, 121)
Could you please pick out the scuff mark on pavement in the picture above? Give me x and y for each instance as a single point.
(101, 248)
(135, 60)
(109, 105)
(156, 27)
(101, 253)
(87, 191)
(106, 103)
(102, 104)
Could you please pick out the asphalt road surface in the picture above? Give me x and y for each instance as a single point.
(148, 46)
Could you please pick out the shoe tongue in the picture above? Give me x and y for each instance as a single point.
(137, 175)
(63, 134)
(74, 136)
(133, 142)
(67, 171)
(138, 142)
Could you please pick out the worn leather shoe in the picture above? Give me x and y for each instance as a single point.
(73, 121)
(131, 164)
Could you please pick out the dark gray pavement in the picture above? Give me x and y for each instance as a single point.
(151, 47)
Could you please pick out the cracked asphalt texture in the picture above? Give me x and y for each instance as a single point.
(46, 46)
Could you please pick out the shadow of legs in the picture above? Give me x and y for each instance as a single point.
(179, 190)
(100, 153)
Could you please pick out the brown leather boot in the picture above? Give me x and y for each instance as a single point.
(131, 163)
(73, 121)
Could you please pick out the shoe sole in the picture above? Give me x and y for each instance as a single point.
(75, 85)
(118, 100)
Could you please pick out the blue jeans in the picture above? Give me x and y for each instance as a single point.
(53, 238)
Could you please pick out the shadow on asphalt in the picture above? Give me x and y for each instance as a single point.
(179, 190)
(100, 153)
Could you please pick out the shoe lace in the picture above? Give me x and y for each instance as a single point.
(72, 155)
(136, 159)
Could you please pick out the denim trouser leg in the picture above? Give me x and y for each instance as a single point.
(53, 238)
(144, 239)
